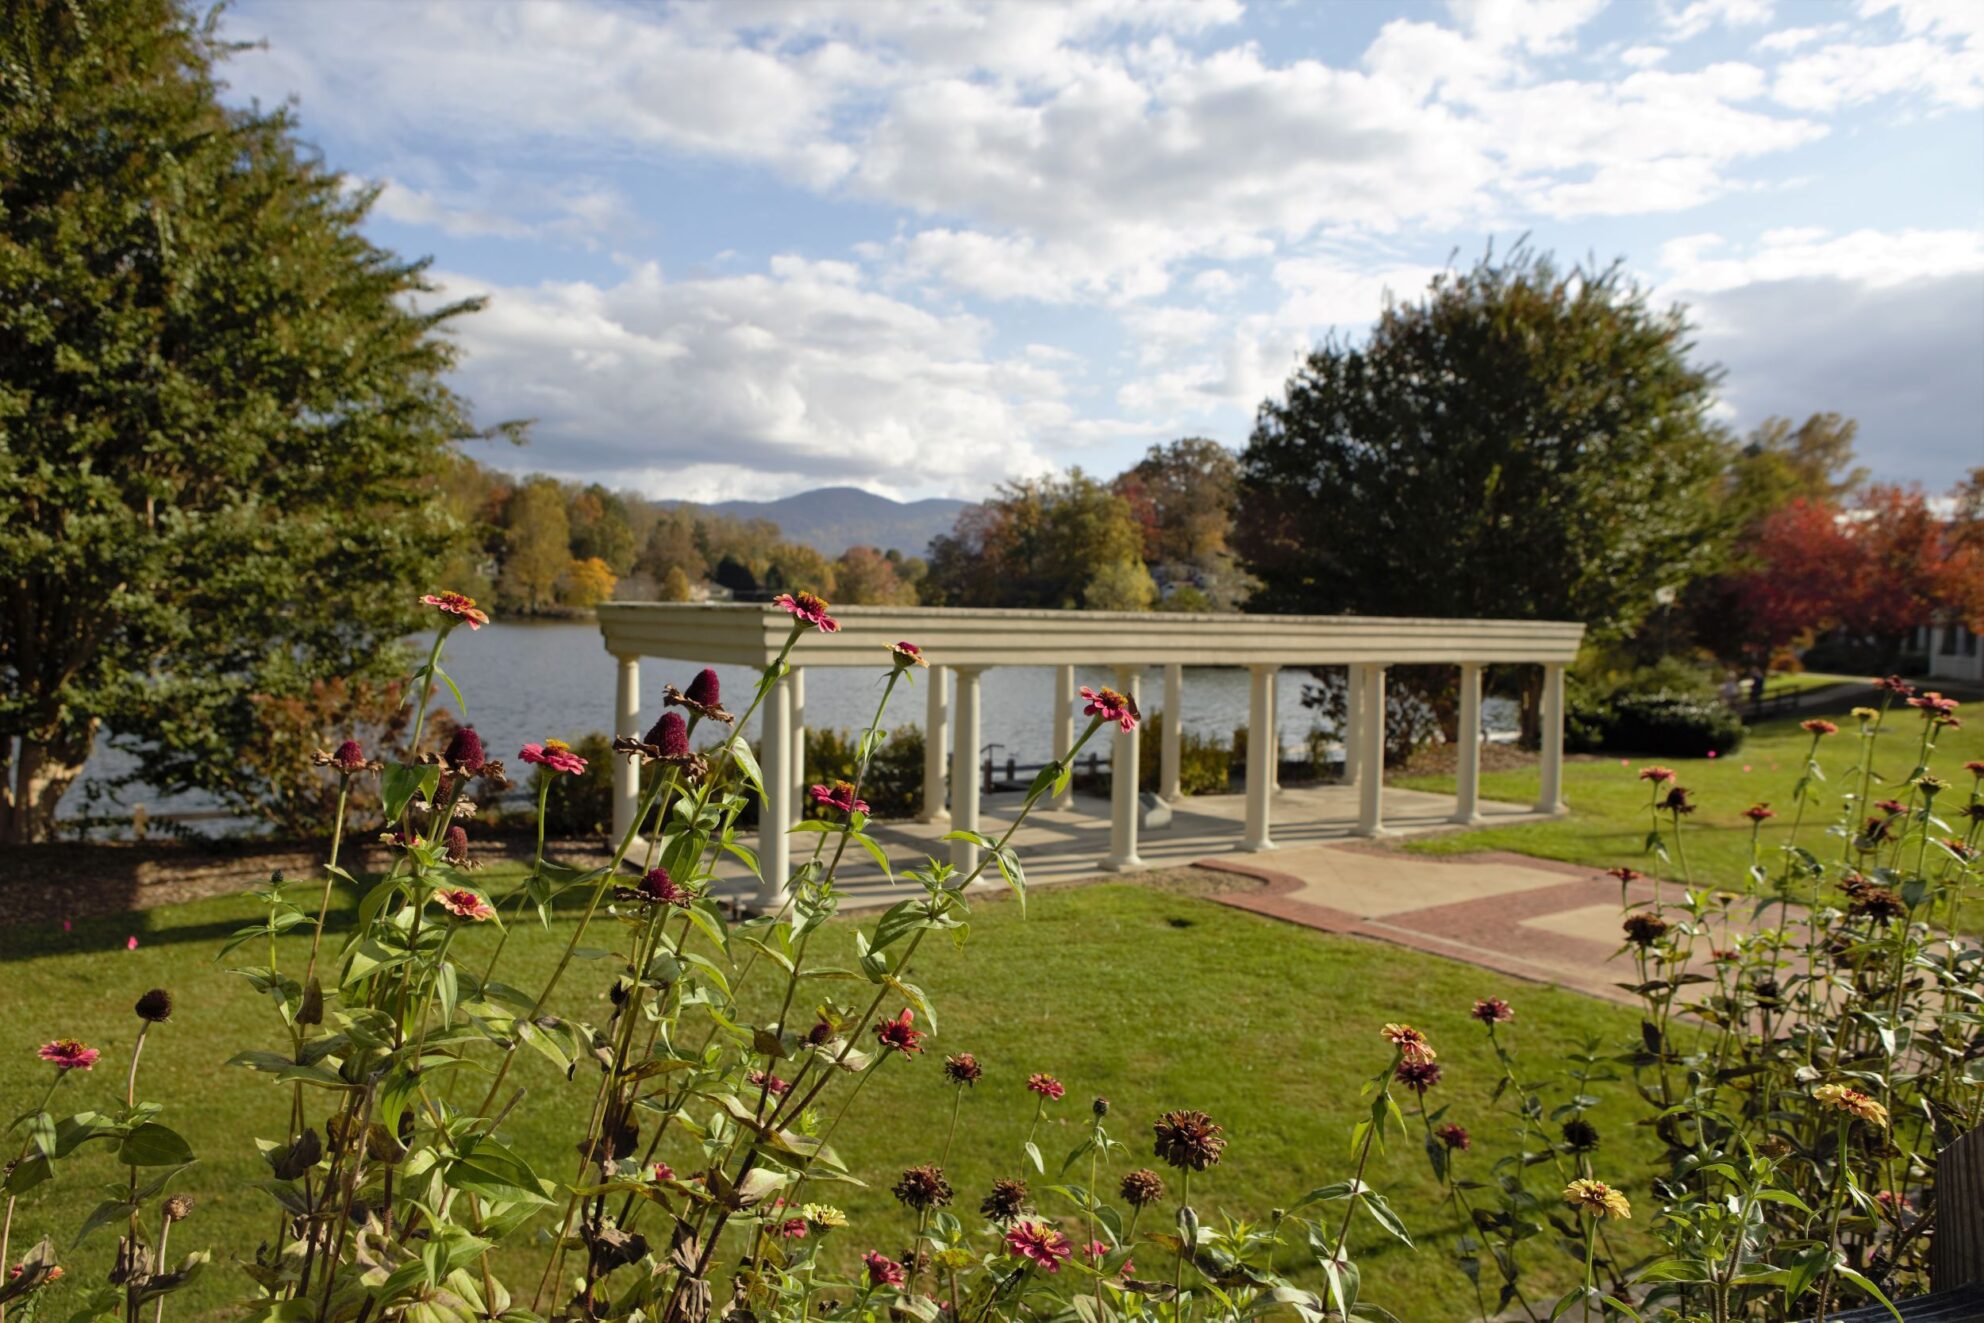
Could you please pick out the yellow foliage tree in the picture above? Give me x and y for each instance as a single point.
(586, 583)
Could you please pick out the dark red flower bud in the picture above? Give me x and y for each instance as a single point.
(670, 735)
(457, 843)
(465, 751)
(349, 757)
(705, 688)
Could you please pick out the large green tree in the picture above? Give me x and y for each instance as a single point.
(1521, 441)
(1039, 543)
(220, 409)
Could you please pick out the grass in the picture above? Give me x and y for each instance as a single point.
(1608, 821)
(1155, 999)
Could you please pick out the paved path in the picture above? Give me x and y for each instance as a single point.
(1531, 918)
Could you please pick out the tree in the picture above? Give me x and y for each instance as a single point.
(1037, 543)
(676, 586)
(220, 410)
(538, 544)
(1780, 463)
(1521, 442)
(1795, 565)
(586, 583)
(601, 529)
(864, 576)
(1122, 585)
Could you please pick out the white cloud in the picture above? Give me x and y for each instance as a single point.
(799, 371)
(1706, 263)
(1790, 39)
(1683, 21)
(572, 209)
(1850, 73)
(1643, 57)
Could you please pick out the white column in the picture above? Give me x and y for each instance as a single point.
(935, 808)
(1551, 798)
(626, 721)
(1064, 726)
(1353, 723)
(797, 680)
(964, 767)
(1371, 745)
(1260, 786)
(1123, 783)
(775, 809)
(1467, 768)
(1170, 758)
(1274, 732)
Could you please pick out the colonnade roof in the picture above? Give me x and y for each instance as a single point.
(750, 634)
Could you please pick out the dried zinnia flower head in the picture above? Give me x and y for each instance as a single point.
(1597, 1199)
(155, 1007)
(1677, 801)
(1453, 1136)
(1411, 1044)
(1418, 1076)
(464, 904)
(459, 605)
(667, 741)
(178, 1208)
(906, 655)
(455, 839)
(1111, 706)
(1098, 1106)
(1843, 1099)
(808, 609)
(1580, 1135)
(69, 1054)
(1493, 1010)
(1142, 1188)
(1879, 904)
(962, 1069)
(464, 755)
(1046, 1086)
(703, 697)
(1188, 1140)
(555, 754)
(840, 796)
(897, 1036)
(348, 758)
(1039, 1243)
(923, 1188)
(1644, 929)
(1006, 1201)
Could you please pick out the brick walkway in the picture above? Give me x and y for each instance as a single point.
(1531, 918)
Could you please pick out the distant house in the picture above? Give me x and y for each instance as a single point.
(1953, 651)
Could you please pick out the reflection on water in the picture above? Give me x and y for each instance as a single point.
(533, 681)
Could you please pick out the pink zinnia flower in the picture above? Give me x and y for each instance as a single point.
(1657, 775)
(658, 888)
(1891, 806)
(1493, 1010)
(882, 1270)
(840, 796)
(771, 1084)
(1759, 812)
(1111, 706)
(1893, 684)
(897, 1035)
(907, 654)
(1046, 1086)
(1411, 1044)
(458, 604)
(1934, 706)
(131, 942)
(555, 754)
(465, 904)
(1819, 727)
(663, 1172)
(69, 1054)
(1039, 1243)
(793, 1228)
(809, 609)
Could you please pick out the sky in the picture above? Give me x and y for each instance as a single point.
(923, 247)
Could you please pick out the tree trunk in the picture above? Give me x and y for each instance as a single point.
(41, 773)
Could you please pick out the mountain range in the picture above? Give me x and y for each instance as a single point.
(832, 519)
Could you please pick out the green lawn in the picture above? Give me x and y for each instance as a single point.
(1156, 1000)
(1608, 821)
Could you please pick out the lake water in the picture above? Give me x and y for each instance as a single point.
(526, 682)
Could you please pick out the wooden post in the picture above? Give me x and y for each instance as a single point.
(1956, 1251)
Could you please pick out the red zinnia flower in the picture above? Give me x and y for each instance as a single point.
(349, 757)
(663, 1172)
(1454, 1136)
(809, 609)
(1046, 1086)
(1891, 806)
(1418, 1076)
(1039, 1243)
(896, 1035)
(1493, 1010)
(1111, 706)
(907, 654)
(1895, 685)
(1974, 767)
(1625, 874)
(771, 1084)
(793, 1228)
(658, 888)
(555, 754)
(458, 604)
(1759, 812)
(840, 796)
(1819, 727)
(69, 1054)
(1657, 775)
(465, 904)
(882, 1270)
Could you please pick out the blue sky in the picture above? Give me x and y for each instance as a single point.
(744, 249)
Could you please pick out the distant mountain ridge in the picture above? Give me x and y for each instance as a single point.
(832, 519)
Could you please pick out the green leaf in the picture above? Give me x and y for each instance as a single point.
(400, 783)
(154, 1145)
(740, 752)
(491, 1171)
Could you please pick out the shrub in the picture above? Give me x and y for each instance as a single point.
(580, 805)
(1672, 726)
(893, 785)
(1205, 766)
